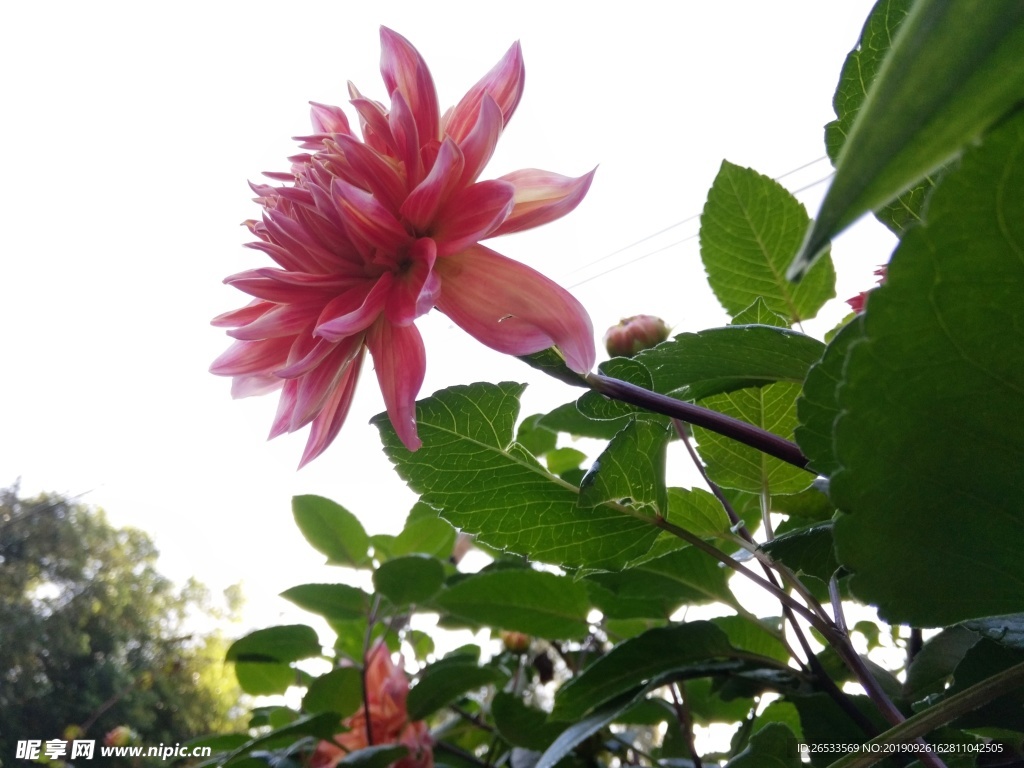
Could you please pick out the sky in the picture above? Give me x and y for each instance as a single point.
(129, 134)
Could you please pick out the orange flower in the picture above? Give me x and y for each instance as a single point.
(386, 691)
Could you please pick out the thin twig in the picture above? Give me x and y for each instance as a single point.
(685, 718)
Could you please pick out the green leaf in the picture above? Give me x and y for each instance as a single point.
(753, 636)
(377, 756)
(858, 73)
(934, 664)
(284, 643)
(579, 732)
(332, 530)
(774, 746)
(983, 660)
(551, 362)
(697, 511)
(817, 407)
(749, 232)
(808, 550)
(332, 601)
(444, 682)
(780, 712)
(339, 691)
(523, 726)
(929, 436)
(264, 678)
(758, 313)
(523, 600)
(825, 723)
(695, 365)
(699, 577)
(567, 418)
(469, 469)
(651, 655)
(596, 406)
(409, 579)
(733, 465)
(424, 533)
(631, 469)
(319, 726)
(1007, 630)
(562, 460)
(534, 436)
(953, 70)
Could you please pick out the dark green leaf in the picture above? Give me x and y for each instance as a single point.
(579, 732)
(444, 682)
(1007, 630)
(707, 707)
(551, 362)
(807, 550)
(631, 469)
(733, 465)
(758, 313)
(567, 418)
(535, 437)
(934, 664)
(753, 636)
(339, 691)
(331, 529)
(533, 602)
(469, 469)
(817, 407)
(562, 460)
(523, 726)
(811, 505)
(750, 230)
(409, 579)
(320, 726)
(929, 436)
(695, 365)
(774, 746)
(424, 533)
(858, 73)
(952, 71)
(597, 406)
(264, 678)
(650, 655)
(332, 601)
(698, 576)
(780, 712)
(824, 723)
(285, 643)
(377, 756)
(983, 660)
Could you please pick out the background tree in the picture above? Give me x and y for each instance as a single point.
(94, 636)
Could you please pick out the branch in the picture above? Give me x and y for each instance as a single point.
(737, 430)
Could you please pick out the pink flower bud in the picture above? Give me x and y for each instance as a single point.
(515, 642)
(634, 334)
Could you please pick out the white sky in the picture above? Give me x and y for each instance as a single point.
(129, 132)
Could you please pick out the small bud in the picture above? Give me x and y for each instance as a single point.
(515, 642)
(634, 334)
(122, 736)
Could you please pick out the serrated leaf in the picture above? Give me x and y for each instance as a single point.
(695, 365)
(758, 313)
(733, 465)
(631, 469)
(523, 600)
(339, 691)
(702, 577)
(286, 643)
(859, 71)
(953, 70)
(750, 230)
(808, 550)
(331, 529)
(445, 681)
(596, 406)
(467, 469)
(332, 601)
(409, 579)
(929, 436)
(653, 654)
(817, 407)
(567, 418)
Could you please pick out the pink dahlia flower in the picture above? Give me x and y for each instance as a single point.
(386, 692)
(369, 234)
(858, 301)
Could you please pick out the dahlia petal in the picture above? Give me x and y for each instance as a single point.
(504, 83)
(266, 284)
(368, 220)
(373, 172)
(328, 422)
(415, 292)
(250, 386)
(479, 144)
(281, 320)
(406, 137)
(247, 314)
(541, 197)
(373, 120)
(421, 206)
(405, 71)
(401, 364)
(472, 214)
(328, 119)
(248, 357)
(354, 310)
(512, 308)
(314, 389)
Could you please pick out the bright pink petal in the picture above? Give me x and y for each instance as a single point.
(541, 197)
(374, 172)
(368, 220)
(404, 70)
(328, 422)
(315, 388)
(512, 308)
(328, 119)
(256, 384)
(504, 84)
(479, 144)
(416, 290)
(471, 215)
(421, 206)
(248, 357)
(354, 310)
(401, 363)
(406, 137)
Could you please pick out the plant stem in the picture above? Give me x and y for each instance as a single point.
(949, 709)
(685, 718)
(741, 431)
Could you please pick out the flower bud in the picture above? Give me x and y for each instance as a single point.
(121, 736)
(515, 642)
(634, 334)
